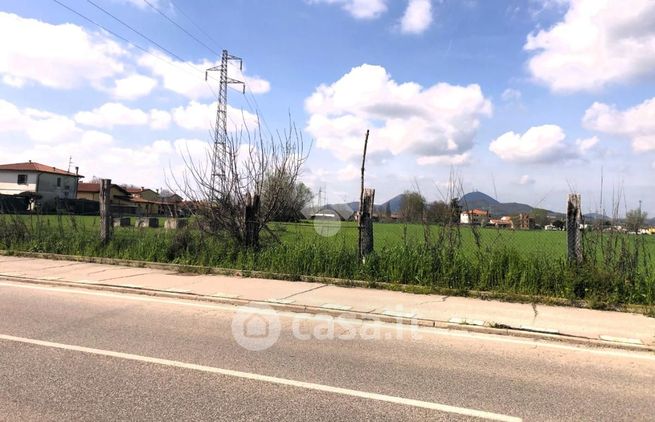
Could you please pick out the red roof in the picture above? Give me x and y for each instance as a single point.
(477, 212)
(95, 188)
(88, 187)
(36, 167)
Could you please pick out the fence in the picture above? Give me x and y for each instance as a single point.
(613, 267)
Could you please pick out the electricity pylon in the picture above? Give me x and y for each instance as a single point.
(220, 135)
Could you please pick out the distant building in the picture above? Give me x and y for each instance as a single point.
(120, 200)
(475, 216)
(44, 184)
(504, 222)
(525, 222)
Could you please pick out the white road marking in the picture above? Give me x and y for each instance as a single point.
(621, 339)
(52, 278)
(423, 330)
(273, 380)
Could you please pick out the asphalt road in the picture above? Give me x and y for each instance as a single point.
(70, 354)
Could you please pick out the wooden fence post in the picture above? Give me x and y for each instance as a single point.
(360, 226)
(252, 220)
(366, 222)
(105, 210)
(573, 228)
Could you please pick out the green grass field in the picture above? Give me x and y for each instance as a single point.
(618, 269)
(551, 243)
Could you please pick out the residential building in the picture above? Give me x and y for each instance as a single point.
(120, 200)
(43, 184)
(503, 222)
(475, 216)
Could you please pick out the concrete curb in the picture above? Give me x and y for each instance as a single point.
(504, 330)
(406, 288)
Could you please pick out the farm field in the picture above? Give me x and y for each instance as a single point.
(618, 269)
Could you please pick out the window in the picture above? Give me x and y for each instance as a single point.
(22, 179)
(59, 182)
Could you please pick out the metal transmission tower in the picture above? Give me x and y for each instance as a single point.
(220, 135)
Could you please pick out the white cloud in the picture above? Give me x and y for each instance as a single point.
(584, 145)
(598, 42)
(141, 4)
(188, 78)
(417, 18)
(51, 129)
(446, 160)
(511, 95)
(348, 173)
(359, 9)
(11, 118)
(133, 87)
(537, 144)
(636, 123)
(437, 121)
(109, 115)
(40, 126)
(199, 116)
(159, 119)
(57, 56)
(526, 180)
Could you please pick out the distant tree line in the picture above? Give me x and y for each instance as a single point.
(415, 209)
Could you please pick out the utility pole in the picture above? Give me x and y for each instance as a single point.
(220, 134)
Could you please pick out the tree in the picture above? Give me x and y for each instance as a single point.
(387, 210)
(412, 206)
(230, 188)
(540, 216)
(635, 220)
(438, 212)
(292, 198)
(455, 210)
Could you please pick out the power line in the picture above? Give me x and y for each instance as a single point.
(176, 7)
(145, 50)
(181, 28)
(135, 31)
(254, 109)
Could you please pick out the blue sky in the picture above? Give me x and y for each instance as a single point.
(524, 100)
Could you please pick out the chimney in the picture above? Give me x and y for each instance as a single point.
(77, 171)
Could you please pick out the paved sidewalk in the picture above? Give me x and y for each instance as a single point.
(606, 326)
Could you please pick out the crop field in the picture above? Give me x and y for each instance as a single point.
(617, 268)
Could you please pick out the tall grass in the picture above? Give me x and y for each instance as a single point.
(617, 268)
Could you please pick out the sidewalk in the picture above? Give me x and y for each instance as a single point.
(611, 328)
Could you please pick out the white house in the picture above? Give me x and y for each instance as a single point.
(475, 216)
(47, 183)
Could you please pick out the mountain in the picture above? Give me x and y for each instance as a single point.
(471, 200)
(394, 204)
(479, 200)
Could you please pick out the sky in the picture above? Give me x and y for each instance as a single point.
(525, 100)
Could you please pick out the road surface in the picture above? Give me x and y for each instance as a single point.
(75, 354)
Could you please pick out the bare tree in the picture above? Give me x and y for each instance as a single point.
(241, 183)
